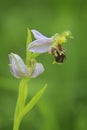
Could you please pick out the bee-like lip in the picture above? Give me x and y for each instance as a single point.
(58, 53)
(60, 58)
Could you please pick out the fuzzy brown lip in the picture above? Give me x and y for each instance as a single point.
(60, 58)
(58, 53)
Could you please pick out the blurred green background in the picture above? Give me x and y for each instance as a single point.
(64, 104)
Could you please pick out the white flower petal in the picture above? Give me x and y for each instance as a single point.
(17, 67)
(40, 45)
(39, 69)
(38, 35)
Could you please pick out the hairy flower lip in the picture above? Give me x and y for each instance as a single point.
(19, 69)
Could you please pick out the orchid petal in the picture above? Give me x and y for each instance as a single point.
(38, 35)
(39, 69)
(17, 66)
(40, 45)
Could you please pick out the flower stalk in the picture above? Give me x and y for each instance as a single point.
(22, 96)
(32, 69)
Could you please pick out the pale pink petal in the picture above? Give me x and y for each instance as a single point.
(39, 69)
(37, 34)
(40, 45)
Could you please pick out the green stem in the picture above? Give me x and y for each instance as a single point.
(20, 101)
(17, 124)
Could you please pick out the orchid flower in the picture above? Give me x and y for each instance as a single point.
(53, 44)
(19, 69)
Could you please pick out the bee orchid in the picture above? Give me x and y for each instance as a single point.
(53, 44)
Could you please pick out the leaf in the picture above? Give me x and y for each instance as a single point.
(32, 102)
